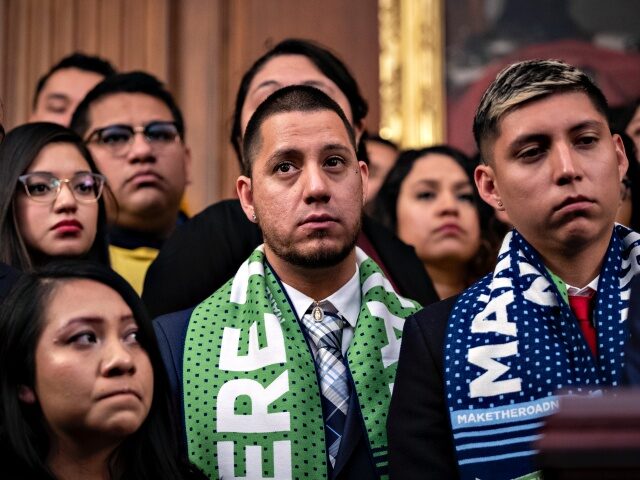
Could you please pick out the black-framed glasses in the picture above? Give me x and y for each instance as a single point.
(119, 138)
(43, 187)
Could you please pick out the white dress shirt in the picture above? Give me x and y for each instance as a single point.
(584, 291)
(346, 300)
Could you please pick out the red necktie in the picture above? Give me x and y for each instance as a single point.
(581, 307)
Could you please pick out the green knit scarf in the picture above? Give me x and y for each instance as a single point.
(251, 397)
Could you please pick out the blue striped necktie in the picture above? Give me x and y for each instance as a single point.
(324, 327)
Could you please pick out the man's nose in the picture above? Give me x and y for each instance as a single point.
(316, 184)
(140, 149)
(565, 164)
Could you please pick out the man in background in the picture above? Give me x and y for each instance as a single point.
(382, 155)
(60, 90)
(135, 132)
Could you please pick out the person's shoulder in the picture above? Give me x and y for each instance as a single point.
(222, 210)
(173, 324)
(436, 313)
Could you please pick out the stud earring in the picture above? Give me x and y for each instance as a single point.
(255, 219)
(500, 203)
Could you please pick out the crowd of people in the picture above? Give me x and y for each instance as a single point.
(359, 311)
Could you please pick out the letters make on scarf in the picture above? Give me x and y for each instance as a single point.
(512, 341)
(252, 402)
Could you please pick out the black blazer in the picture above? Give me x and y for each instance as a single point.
(8, 276)
(418, 426)
(205, 252)
(354, 457)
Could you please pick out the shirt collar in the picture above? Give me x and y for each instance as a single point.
(346, 299)
(584, 291)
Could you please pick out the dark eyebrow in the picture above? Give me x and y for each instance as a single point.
(57, 96)
(427, 182)
(95, 320)
(527, 138)
(282, 154)
(332, 147)
(588, 124)
(81, 321)
(542, 137)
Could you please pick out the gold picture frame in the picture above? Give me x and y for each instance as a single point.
(412, 77)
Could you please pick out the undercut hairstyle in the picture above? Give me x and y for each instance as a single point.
(294, 98)
(130, 82)
(18, 151)
(80, 61)
(330, 66)
(148, 453)
(523, 82)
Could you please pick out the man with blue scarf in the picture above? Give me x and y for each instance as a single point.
(479, 373)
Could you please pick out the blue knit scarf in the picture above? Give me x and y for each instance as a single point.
(512, 342)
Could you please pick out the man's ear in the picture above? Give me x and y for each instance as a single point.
(26, 395)
(621, 155)
(487, 187)
(245, 194)
(364, 174)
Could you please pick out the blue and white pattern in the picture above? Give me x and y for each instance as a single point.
(512, 342)
(326, 334)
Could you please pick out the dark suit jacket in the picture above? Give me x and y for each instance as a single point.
(8, 276)
(418, 426)
(631, 375)
(207, 251)
(354, 458)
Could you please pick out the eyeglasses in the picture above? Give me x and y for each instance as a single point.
(119, 138)
(44, 187)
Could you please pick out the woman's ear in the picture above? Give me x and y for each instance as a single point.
(26, 395)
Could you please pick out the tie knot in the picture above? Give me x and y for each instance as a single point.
(324, 325)
(581, 306)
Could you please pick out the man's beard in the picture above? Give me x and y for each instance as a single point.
(322, 257)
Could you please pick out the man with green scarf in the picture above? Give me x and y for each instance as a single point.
(287, 370)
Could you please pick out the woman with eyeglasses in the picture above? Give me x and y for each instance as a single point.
(51, 203)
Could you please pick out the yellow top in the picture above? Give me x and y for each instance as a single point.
(132, 264)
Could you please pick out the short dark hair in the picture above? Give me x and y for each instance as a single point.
(330, 65)
(378, 139)
(149, 453)
(81, 61)
(130, 82)
(19, 149)
(294, 98)
(524, 82)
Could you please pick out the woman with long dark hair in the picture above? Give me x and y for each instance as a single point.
(83, 393)
(51, 202)
(430, 200)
